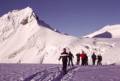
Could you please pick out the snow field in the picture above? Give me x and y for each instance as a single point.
(50, 72)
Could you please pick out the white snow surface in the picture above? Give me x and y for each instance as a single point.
(23, 40)
(41, 72)
(113, 29)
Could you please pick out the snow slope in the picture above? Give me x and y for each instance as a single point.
(24, 38)
(38, 72)
(114, 30)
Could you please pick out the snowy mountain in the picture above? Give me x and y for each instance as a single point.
(24, 38)
(109, 31)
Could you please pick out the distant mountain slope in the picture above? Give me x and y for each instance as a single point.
(24, 38)
(103, 35)
(110, 31)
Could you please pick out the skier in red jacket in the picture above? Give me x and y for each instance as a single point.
(83, 58)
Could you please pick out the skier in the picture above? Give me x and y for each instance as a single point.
(83, 56)
(93, 58)
(86, 59)
(64, 57)
(70, 62)
(78, 58)
(99, 60)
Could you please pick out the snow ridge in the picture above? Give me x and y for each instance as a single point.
(24, 40)
(112, 29)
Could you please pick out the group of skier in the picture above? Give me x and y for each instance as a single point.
(84, 59)
(96, 58)
(67, 59)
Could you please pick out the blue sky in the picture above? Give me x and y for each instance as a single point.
(75, 17)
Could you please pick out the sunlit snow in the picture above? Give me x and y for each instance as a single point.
(24, 40)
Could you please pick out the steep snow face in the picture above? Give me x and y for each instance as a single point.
(16, 28)
(114, 32)
(24, 39)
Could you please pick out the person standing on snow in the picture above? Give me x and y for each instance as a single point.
(64, 57)
(99, 60)
(83, 58)
(70, 62)
(78, 58)
(93, 58)
(86, 59)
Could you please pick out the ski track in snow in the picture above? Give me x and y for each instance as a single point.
(52, 74)
(45, 75)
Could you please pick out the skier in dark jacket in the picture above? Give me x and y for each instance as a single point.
(78, 58)
(93, 58)
(64, 57)
(99, 60)
(86, 59)
(70, 62)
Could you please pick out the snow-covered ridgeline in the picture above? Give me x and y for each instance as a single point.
(24, 40)
(113, 30)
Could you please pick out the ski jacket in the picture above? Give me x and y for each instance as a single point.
(83, 56)
(94, 56)
(64, 56)
(70, 55)
(78, 56)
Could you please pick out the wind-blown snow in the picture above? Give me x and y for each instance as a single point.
(24, 40)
